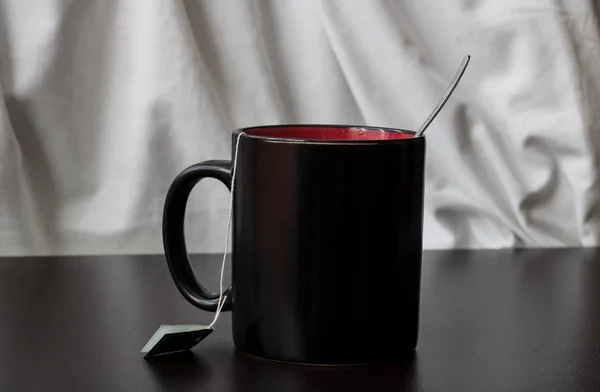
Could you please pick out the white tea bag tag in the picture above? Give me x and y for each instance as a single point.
(169, 339)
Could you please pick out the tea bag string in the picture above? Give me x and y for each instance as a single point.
(223, 298)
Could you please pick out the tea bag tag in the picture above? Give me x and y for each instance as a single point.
(170, 339)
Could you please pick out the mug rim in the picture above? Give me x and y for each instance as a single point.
(276, 139)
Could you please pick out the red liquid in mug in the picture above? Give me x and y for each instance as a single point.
(328, 133)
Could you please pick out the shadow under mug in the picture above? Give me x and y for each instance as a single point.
(326, 242)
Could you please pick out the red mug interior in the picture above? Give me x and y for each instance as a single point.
(328, 133)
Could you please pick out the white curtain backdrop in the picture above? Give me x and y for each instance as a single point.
(105, 101)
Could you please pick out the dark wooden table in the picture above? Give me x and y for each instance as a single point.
(490, 321)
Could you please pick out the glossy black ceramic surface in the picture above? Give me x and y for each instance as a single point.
(327, 242)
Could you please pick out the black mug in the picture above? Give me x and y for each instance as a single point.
(327, 242)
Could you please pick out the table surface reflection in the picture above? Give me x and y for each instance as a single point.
(491, 320)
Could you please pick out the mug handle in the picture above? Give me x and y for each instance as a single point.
(174, 236)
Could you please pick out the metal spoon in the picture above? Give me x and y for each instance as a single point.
(440, 105)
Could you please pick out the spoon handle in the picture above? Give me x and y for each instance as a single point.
(442, 102)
